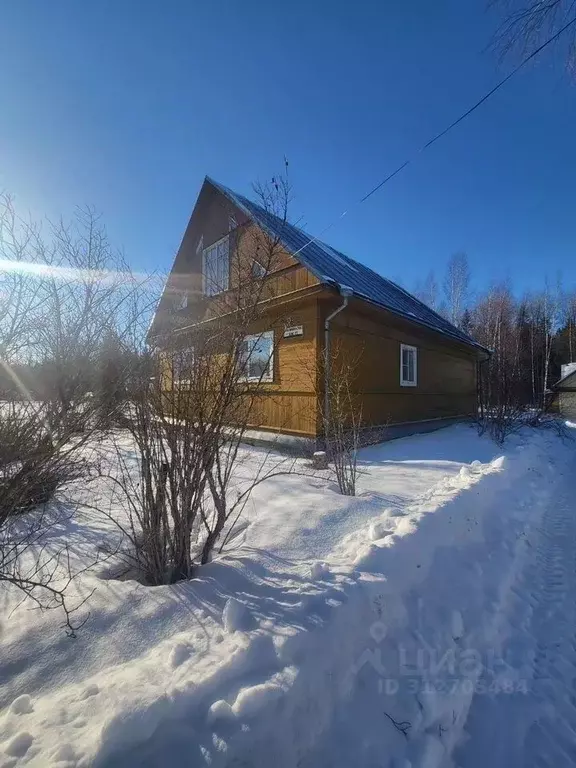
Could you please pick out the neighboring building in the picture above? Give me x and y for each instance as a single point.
(413, 367)
(565, 390)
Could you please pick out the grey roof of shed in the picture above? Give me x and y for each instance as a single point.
(568, 381)
(333, 267)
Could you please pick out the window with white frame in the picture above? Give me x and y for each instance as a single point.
(182, 302)
(216, 267)
(257, 357)
(258, 270)
(408, 366)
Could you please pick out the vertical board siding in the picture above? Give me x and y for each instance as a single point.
(446, 385)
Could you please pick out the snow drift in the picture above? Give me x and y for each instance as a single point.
(351, 634)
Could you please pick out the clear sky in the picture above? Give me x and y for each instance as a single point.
(126, 105)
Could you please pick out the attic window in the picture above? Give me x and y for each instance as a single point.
(258, 270)
(408, 366)
(232, 223)
(216, 267)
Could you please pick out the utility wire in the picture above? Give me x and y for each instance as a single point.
(446, 130)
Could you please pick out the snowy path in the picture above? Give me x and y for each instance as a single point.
(531, 720)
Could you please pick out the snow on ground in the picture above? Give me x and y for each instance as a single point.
(332, 631)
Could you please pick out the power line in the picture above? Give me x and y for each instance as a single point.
(474, 107)
(446, 130)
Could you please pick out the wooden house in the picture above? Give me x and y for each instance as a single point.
(413, 370)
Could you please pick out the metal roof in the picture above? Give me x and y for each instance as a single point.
(567, 379)
(333, 267)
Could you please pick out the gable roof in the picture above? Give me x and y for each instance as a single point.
(333, 267)
(568, 381)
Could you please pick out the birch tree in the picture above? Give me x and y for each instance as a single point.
(428, 291)
(457, 287)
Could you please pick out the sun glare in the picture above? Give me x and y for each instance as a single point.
(37, 269)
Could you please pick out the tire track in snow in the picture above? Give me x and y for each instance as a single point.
(535, 728)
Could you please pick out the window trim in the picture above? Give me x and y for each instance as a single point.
(269, 376)
(263, 269)
(218, 290)
(407, 382)
(177, 380)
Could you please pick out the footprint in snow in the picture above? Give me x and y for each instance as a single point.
(235, 616)
(319, 569)
(179, 654)
(19, 744)
(89, 691)
(22, 705)
(65, 754)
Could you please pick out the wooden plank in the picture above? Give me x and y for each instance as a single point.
(446, 383)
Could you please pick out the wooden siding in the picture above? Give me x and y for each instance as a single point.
(209, 223)
(370, 339)
(288, 403)
(567, 404)
(289, 412)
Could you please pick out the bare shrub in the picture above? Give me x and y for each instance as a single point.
(196, 390)
(33, 468)
(553, 423)
(64, 293)
(342, 417)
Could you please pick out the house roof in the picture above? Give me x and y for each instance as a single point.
(567, 381)
(333, 267)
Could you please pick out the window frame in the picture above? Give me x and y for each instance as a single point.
(262, 272)
(268, 376)
(183, 302)
(216, 289)
(408, 382)
(176, 380)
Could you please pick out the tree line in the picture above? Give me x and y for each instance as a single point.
(530, 335)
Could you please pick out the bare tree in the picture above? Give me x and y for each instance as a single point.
(86, 290)
(428, 291)
(61, 293)
(495, 326)
(457, 287)
(527, 24)
(568, 320)
(20, 295)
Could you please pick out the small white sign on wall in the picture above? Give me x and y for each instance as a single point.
(295, 330)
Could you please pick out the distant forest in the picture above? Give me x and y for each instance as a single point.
(531, 336)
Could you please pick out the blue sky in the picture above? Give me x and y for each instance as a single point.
(127, 105)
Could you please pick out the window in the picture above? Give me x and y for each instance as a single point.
(258, 270)
(256, 357)
(182, 302)
(215, 267)
(408, 366)
(232, 223)
(182, 365)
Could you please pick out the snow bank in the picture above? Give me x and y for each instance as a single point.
(276, 657)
